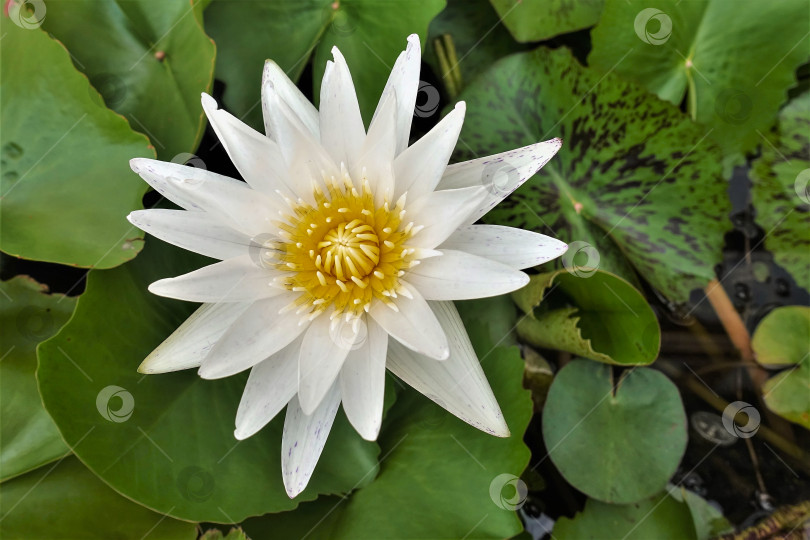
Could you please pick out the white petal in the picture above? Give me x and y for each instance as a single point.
(256, 157)
(259, 333)
(306, 160)
(326, 345)
(511, 246)
(195, 231)
(457, 275)
(500, 173)
(414, 324)
(241, 279)
(458, 384)
(362, 381)
(192, 340)
(377, 153)
(342, 130)
(442, 212)
(404, 81)
(303, 439)
(178, 182)
(272, 383)
(420, 167)
(275, 77)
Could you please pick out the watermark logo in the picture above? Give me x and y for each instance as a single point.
(28, 14)
(112, 88)
(750, 428)
(106, 404)
(802, 186)
(351, 334)
(500, 177)
(733, 106)
(581, 259)
(427, 100)
(34, 324)
(645, 26)
(338, 20)
(195, 484)
(508, 491)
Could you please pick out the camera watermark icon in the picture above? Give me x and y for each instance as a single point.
(338, 20)
(104, 401)
(500, 177)
(28, 14)
(802, 186)
(644, 20)
(191, 160)
(112, 88)
(35, 324)
(264, 251)
(195, 484)
(581, 259)
(427, 100)
(733, 106)
(750, 428)
(508, 491)
(351, 334)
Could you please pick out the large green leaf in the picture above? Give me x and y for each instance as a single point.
(783, 339)
(439, 477)
(536, 20)
(781, 190)
(28, 315)
(65, 500)
(733, 61)
(167, 441)
(66, 185)
(617, 442)
(154, 62)
(598, 315)
(634, 176)
(369, 33)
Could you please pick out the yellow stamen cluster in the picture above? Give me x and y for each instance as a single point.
(343, 251)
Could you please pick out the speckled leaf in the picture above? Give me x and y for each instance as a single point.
(170, 446)
(592, 314)
(616, 441)
(781, 190)
(732, 60)
(66, 186)
(154, 63)
(783, 339)
(28, 315)
(634, 176)
(536, 20)
(369, 33)
(67, 501)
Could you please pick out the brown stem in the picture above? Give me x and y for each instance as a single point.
(787, 519)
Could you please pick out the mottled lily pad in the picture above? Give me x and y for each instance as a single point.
(635, 182)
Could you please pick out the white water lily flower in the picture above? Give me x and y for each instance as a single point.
(340, 257)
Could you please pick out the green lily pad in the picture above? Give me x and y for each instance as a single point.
(65, 500)
(635, 183)
(783, 339)
(66, 185)
(618, 442)
(478, 39)
(781, 189)
(370, 35)
(166, 441)
(537, 20)
(709, 521)
(732, 61)
(661, 517)
(452, 479)
(155, 62)
(28, 315)
(599, 316)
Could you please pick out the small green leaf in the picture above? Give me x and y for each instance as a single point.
(783, 339)
(708, 520)
(65, 500)
(537, 20)
(619, 443)
(781, 190)
(154, 63)
(166, 441)
(635, 183)
(66, 185)
(369, 33)
(692, 50)
(234, 534)
(28, 315)
(599, 316)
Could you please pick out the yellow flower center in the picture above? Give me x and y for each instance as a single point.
(343, 251)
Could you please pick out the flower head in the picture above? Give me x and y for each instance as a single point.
(340, 256)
